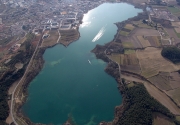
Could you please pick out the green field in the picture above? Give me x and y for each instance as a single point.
(178, 34)
(127, 45)
(178, 118)
(124, 33)
(129, 51)
(173, 10)
(142, 25)
(129, 26)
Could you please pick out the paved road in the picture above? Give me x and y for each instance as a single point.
(13, 94)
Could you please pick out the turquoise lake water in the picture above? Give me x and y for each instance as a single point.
(68, 85)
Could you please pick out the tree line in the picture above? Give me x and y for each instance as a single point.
(171, 53)
(12, 75)
(140, 107)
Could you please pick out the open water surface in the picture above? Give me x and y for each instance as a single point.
(68, 85)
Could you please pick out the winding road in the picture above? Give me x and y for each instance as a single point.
(19, 83)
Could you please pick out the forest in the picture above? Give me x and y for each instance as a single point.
(171, 53)
(4, 86)
(12, 75)
(140, 107)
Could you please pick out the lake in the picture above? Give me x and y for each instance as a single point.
(72, 83)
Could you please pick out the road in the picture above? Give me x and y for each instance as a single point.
(59, 32)
(13, 93)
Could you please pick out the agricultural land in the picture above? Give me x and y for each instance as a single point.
(143, 38)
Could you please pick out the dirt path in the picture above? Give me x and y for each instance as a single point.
(157, 94)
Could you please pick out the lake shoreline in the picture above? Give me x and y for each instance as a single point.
(36, 71)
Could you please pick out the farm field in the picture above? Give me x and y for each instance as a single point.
(178, 118)
(145, 43)
(176, 26)
(173, 34)
(129, 51)
(165, 42)
(125, 59)
(175, 95)
(177, 14)
(145, 32)
(68, 36)
(160, 119)
(174, 80)
(154, 40)
(161, 81)
(52, 39)
(173, 10)
(128, 62)
(129, 26)
(128, 45)
(126, 30)
(169, 83)
(151, 62)
(140, 24)
(142, 38)
(124, 33)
